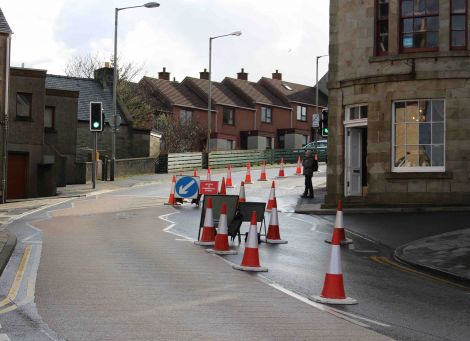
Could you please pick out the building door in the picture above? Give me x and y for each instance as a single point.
(354, 169)
(17, 176)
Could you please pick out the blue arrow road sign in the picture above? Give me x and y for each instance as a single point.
(187, 187)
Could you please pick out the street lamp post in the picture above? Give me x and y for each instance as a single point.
(316, 100)
(209, 104)
(113, 131)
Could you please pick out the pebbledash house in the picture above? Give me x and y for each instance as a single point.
(399, 102)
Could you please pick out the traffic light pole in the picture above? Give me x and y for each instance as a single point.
(95, 147)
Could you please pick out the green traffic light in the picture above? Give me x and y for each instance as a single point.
(96, 125)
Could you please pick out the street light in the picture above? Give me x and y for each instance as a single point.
(113, 135)
(236, 33)
(316, 99)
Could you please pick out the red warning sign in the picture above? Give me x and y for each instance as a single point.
(209, 187)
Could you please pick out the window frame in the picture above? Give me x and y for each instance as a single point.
(401, 19)
(303, 113)
(232, 112)
(378, 21)
(464, 47)
(185, 112)
(418, 169)
(52, 127)
(265, 120)
(30, 99)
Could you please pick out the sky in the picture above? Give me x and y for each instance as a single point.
(282, 35)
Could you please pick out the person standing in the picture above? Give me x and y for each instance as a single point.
(308, 164)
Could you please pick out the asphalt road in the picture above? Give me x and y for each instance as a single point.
(79, 261)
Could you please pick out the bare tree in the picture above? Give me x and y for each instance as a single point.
(179, 135)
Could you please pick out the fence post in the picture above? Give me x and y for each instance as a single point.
(161, 165)
(205, 160)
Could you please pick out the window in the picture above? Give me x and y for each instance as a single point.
(185, 116)
(301, 113)
(23, 105)
(357, 112)
(230, 144)
(269, 143)
(49, 118)
(381, 30)
(305, 139)
(228, 116)
(419, 25)
(266, 115)
(458, 24)
(418, 136)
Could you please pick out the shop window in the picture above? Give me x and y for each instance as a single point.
(419, 136)
(458, 24)
(381, 29)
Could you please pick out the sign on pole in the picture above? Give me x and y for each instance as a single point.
(316, 120)
(187, 187)
(209, 187)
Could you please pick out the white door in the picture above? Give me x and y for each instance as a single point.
(353, 169)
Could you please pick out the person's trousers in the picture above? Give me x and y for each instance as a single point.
(308, 186)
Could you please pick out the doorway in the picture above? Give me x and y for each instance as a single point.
(17, 176)
(356, 161)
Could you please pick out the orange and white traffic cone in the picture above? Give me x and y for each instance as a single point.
(229, 183)
(208, 176)
(263, 176)
(171, 199)
(273, 236)
(241, 196)
(272, 198)
(208, 231)
(250, 261)
(298, 169)
(248, 174)
(333, 287)
(195, 172)
(339, 226)
(281, 169)
(223, 190)
(221, 246)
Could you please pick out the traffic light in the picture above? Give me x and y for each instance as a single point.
(324, 123)
(96, 117)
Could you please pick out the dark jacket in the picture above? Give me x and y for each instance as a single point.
(308, 163)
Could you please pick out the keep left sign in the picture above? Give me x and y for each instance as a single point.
(187, 187)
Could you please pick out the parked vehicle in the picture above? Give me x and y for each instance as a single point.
(322, 149)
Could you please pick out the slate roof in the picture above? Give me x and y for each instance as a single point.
(296, 92)
(221, 93)
(90, 90)
(255, 91)
(176, 93)
(4, 27)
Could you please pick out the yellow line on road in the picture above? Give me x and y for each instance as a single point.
(18, 278)
(388, 262)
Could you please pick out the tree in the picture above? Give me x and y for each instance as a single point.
(179, 136)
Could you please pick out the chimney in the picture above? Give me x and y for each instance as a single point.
(242, 75)
(277, 75)
(164, 75)
(105, 75)
(204, 74)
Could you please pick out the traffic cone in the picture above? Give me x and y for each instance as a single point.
(171, 199)
(273, 236)
(250, 261)
(221, 246)
(229, 183)
(195, 172)
(223, 190)
(281, 169)
(241, 196)
(333, 287)
(339, 226)
(263, 176)
(248, 174)
(298, 170)
(272, 198)
(208, 231)
(208, 176)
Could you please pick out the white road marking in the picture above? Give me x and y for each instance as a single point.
(314, 225)
(4, 337)
(167, 229)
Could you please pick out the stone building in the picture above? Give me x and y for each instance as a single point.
(399, 102)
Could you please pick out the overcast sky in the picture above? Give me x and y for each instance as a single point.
(284, 35)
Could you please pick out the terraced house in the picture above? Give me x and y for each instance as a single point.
(399, 102)
(267, 114)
